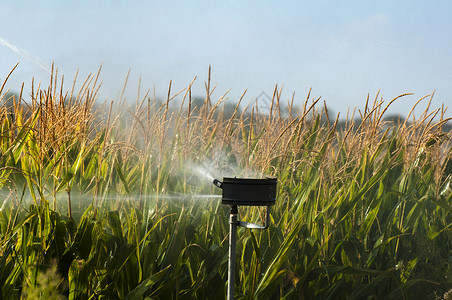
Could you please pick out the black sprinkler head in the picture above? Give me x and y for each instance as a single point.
(248, 191)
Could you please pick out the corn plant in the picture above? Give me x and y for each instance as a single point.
(103, 201)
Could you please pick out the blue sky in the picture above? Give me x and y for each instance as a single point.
(343, 50)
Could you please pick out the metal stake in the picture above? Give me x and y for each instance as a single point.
(232, 255)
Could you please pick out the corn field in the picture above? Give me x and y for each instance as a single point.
(107, 201)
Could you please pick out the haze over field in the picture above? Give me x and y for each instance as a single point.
(120, 201)
(342, 49)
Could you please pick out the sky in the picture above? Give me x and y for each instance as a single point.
(342, 50)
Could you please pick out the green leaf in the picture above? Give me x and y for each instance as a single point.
(115, 225)
(146, 284)
(78, 280)
(122, 177)
(273, 273)
(68, 177)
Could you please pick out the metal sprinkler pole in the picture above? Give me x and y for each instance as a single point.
(232, 254)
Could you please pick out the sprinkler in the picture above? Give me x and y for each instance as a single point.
(244, 192)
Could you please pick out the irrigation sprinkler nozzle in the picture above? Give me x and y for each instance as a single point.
(218, 183)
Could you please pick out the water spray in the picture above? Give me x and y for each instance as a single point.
(24, 54)
(244, 192)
